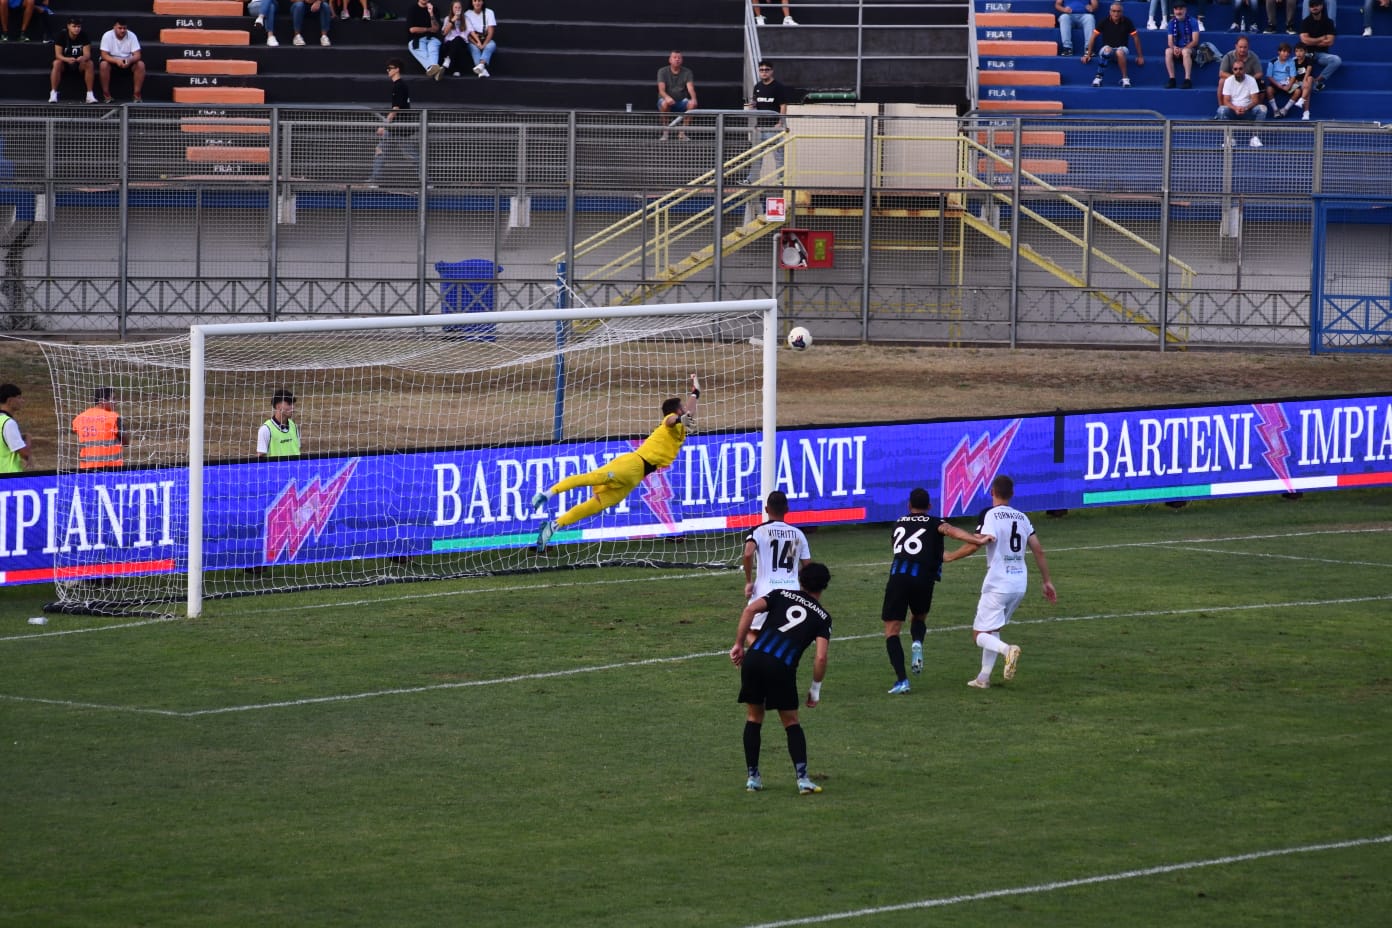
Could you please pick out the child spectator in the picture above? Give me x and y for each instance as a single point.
(1281, 76)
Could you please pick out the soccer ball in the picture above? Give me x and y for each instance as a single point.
(799, 339)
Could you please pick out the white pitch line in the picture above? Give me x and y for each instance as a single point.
(58, 633)
(623, 665)
(1070, 884)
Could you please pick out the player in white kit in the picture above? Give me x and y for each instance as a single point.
(774, 553)
(1007, 578)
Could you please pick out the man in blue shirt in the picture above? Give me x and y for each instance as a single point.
(1183, 39)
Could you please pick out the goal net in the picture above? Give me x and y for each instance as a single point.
(421, 443)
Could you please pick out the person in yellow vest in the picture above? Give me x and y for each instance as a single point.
(617, 478)
(14, 450)
(279, 436)
(101, 436)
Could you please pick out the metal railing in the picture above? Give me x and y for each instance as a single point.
(969, 231)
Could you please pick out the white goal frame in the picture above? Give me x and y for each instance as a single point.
(200, 334)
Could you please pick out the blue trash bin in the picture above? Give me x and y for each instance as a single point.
(469, 287)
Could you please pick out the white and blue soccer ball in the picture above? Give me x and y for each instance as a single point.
(799, 339)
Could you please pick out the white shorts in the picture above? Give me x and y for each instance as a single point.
(994, 610)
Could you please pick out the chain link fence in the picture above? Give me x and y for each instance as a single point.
(947, 230)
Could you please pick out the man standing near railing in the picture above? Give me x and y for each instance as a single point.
(772, 97)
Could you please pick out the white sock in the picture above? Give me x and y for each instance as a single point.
(988, 663)
(990, 642)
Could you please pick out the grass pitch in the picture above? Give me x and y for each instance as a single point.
(1198, 734)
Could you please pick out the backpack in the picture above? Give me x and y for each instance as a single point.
(1206, 54)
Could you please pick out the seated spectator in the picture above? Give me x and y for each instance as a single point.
(676, 92)
(1317, 35)
(342, 7)
(1244, 16)
(455, 46)
(1305, 77)
(1272, 6)
(1252, 65)
(1240, 99)
(1183, 38)
(1115, 32)
(1157, 17)
(1368, 6)
(1282, 81)
(787, 16)
(481, 27)
(120, 51)
(72, 54)
(297, 18)
(264, 11)
(424, 31)
(1080, 13)
(30, 8)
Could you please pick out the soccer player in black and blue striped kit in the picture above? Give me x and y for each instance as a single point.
(768, 668)
(917, 543)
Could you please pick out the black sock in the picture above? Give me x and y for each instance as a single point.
(918, 630)
(752, 731)
(896, 657)
(797, 749)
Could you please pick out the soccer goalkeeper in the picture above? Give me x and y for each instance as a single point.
(619, 476)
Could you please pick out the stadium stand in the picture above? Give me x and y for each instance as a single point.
(551, 54)
(1020, 70)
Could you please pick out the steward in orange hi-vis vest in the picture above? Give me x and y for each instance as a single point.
(99, 435)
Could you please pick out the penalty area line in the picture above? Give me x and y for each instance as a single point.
(1070, 884)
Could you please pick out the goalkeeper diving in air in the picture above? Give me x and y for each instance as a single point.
(618, 477)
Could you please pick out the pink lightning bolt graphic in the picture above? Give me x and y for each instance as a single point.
(294, 515)
(657, 493)
(972, 467)
(1272, 429)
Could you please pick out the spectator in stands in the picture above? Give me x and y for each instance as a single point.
(454, 47)
(390, 135)
(297, 18)
(120, 49)
(787, 16)
(1241, 99)
(770, 96)
(1157, 18)
(1080, 13)
(1317, 35)
(1244, 16)
(1183, 38)
(1282, 81)
(1252, 66)
(264, 11)
(1272, 6)
(424, 30)
(1116, 30)
(482, 24)
(1368, 6)
(30, 8)
(72, 53)
(342, 7)
(1305, 77)
(676, 92)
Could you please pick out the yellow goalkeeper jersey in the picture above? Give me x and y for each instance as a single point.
(661, 447)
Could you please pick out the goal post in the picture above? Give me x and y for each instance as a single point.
(422, 442)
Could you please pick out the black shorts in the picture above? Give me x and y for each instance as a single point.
(906, 594)
(767, 681)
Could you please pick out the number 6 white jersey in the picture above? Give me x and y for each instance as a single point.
(1005, 559)
(779, 550)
